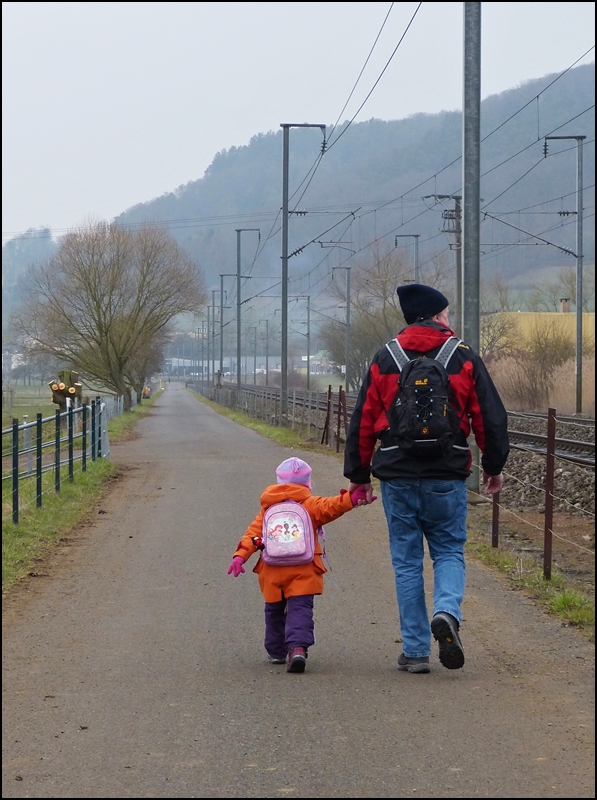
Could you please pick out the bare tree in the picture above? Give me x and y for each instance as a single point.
(547, 296)
(375, 310)
(567, 286)
(499, 336)
(497, 295)
(525, 378)
(147, 362)
(103, 303)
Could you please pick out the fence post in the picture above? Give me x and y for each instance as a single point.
(339, 419)
(71, 444)
(325, 436)
(344, 413)
(93, 421)
(84, 438)
(98, 408)
(27, 443)
(15, 471)
(495, 520)
(302, 417)
(57, 453)
(38, 460)
(549, 485)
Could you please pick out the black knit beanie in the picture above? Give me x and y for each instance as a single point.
(420, 302)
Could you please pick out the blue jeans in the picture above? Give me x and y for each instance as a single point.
(434, 509)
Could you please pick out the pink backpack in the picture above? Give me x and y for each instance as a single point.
(288, 537)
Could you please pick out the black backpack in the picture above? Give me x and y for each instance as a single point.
(423, 417)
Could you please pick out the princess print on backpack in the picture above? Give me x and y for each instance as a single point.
(287, 533)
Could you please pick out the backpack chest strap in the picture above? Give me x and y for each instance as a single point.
(445, 353)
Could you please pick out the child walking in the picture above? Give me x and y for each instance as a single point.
(289, 590)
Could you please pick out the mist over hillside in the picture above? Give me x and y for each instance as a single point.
(380, 186)
(379, 180)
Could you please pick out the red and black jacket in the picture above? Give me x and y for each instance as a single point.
(371, 450)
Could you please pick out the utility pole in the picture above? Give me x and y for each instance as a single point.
(202, 351)
(308, 299)
(579, 260)
(198, 329)
(414, 236)
(208, 345)
(308, 343)
(213, 332)
(238, 329)
(254, 329)
(267, 352)
(471, 172)
(285, 163)
(347, 340)
(455, 214)
(222, 276)
(468, 293)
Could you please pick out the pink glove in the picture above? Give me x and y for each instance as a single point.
(236, 567)
(360, 493)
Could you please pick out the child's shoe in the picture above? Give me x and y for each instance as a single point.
(297, 658)
(276, 659)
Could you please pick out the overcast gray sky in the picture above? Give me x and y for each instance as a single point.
(105, 105)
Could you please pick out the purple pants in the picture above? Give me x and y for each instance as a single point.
(289, 623)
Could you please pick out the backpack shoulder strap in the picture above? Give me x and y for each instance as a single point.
(447, 350)
(396, 351)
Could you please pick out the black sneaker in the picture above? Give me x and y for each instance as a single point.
(407, 664)
(445, 631)
(297, 657)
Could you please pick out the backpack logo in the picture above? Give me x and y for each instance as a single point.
(423, 416)
(288, 537)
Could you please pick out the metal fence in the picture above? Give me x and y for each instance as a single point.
(37, 455)
(317, 416)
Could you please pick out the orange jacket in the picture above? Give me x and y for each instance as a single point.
(279, 582)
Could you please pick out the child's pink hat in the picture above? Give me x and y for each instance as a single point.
(294, 470)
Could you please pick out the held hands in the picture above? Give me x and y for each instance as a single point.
(236, 567)
(360, 494)
(492, 483)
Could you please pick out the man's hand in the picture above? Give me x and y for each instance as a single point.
(368, 487)
(492, 483)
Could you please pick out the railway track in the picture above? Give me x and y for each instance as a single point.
(524, 428)
(576, 452)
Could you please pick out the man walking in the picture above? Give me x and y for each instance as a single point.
(423, 481)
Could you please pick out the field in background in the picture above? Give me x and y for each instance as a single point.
(562, 387)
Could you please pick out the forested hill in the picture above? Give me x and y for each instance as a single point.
(382, 185)
(386, 178)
